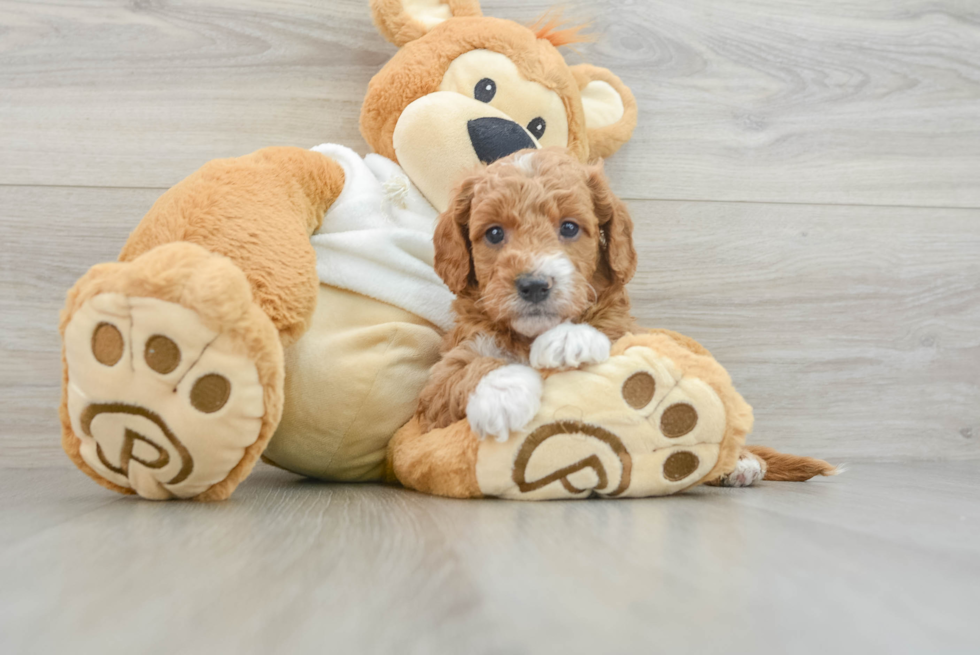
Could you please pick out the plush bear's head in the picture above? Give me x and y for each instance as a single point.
(465, 89)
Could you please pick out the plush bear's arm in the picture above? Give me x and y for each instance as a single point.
(451, 382)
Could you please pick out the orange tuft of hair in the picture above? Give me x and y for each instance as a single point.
(784, 467)
(551, 27)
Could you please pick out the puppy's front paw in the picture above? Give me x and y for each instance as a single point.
(749, 469)
(506, 399)
(569, 345)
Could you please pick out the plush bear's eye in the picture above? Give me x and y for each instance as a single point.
(485, 90)
(569, 229)
(494, 235)
(537, 127)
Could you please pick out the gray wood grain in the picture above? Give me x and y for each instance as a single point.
(853, 331)
(881, 559)
(838, 102)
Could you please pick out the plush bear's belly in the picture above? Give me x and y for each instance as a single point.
(351, 381)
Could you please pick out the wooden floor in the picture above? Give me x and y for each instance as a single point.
(805, 180)
(883, 560)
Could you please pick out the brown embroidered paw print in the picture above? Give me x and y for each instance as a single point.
(636, 425)
(161, 403)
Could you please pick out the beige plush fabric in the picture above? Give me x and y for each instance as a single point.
(351, 381)
(213, 413)
(589, 438)
(124, 325)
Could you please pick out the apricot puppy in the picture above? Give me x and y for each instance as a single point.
(538, 251)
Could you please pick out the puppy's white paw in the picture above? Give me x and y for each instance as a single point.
(569, 345)
(506, 399)
(749, 469)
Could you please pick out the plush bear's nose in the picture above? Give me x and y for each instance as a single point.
(532, 289)
(494, 137)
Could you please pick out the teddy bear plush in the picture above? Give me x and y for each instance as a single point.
(284, 304)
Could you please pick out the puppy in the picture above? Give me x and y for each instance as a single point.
(538, 251)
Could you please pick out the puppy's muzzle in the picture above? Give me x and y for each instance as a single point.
(532, 288)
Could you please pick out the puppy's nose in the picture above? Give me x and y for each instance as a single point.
(532, 289)
(494, 138)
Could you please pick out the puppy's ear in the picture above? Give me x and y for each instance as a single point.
(616, 226)
(453, 261)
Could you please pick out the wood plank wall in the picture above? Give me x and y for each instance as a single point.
(805, 179)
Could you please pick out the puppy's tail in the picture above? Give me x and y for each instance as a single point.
(783, 467)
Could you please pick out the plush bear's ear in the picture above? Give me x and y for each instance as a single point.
(610, 109)
(402, 21)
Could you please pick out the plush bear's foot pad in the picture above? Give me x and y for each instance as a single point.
(641, 424)
(162, 404)
(162, 398)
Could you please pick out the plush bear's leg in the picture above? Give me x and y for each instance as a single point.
(174, 356)
(173, 376)
(259, 211)
(441, 462)
(661, 415)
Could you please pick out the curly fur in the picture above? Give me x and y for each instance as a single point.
(529, 194)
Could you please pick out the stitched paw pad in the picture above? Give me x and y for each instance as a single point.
(161, 403)
(640, 424)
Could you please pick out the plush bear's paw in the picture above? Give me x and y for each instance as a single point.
(162, 404)
(749, 469)
(160, 399)
(569, 345)
(506, 399)
(654, 419)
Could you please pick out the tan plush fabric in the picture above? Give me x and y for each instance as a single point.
(259, 211)
(229, 244)
(694, 360)
(419, 68)
(606, 137)
(657, 418)
(218, 294)
(401, 21)
(351, 382)
(441, 462)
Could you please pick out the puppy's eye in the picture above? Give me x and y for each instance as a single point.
(568, 230)
(485, 90)
(537, 127)
(494, 235)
